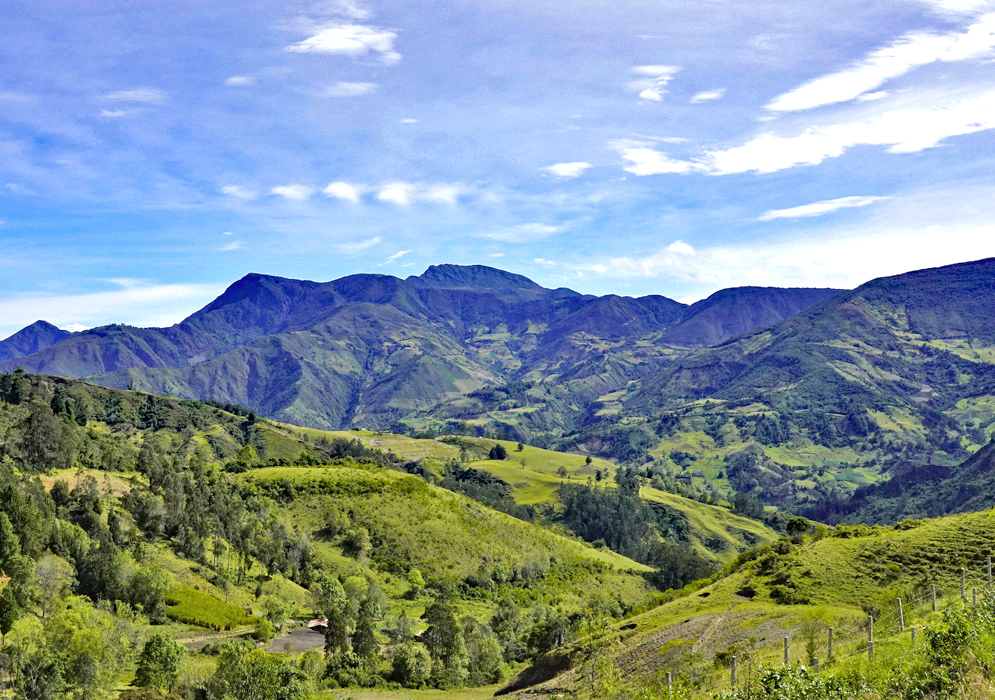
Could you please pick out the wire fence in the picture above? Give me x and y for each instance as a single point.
(895, 626)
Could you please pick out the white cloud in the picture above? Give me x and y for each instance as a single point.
(135, 302)
(346, 190)
(350, 89)
(234, 245)
(404, 193)
(240, 81)
(409, 121)
(649, 161)
(18, 188)
(708, 96)
(524, 233)
(346, 8)
(841, 260)
(901, 130)
(396, 256)
(238, 191)
(75, 328)
(443, 194)
(911, 51)
(567, 170)
(871, 96)
(496, 255)
(653, 86)
(295, 192)
(350, 40)
(826, 206)
(356, 247)
(544, 262)
(145, 95)
(112, 113)
(400, 193)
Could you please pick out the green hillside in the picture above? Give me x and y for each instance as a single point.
(832, 578)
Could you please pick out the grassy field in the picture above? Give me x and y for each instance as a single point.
(834, 581)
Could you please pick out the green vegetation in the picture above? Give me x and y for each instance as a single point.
(194, 607)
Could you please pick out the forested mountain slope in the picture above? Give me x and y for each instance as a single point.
(370, 350)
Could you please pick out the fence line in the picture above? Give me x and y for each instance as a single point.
(875, 634)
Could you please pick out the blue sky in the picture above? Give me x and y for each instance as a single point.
(152, 153)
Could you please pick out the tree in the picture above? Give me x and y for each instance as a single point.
(55, 577)
(411, 665)
(256, 675)
(275, 609)
(444, 640)
(148, 588)
(498, 452)
(520, 447)
(550, 631)
(508, 626)
(159, 663)
(416, 582)
(400, 631)
(364, 638)
(797, 527)
(588, 460)
(486, 662)
(562, 472)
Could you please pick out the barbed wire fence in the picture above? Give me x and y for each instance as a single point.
(896, 626)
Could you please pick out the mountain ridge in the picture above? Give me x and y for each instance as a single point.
(375, 348)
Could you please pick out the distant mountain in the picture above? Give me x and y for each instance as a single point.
(38, 336)
(373, 349)
(732, 312)
(914, 339)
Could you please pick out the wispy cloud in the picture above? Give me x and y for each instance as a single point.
(400, 193)
(345, 8)
(134, 302)
(842, 260)
(653, 86)
(349, 89)
(240, 81)
(567, 170)
(238, 191)
(900, 130)
(404, 193)
(911, 51)
(113, 113)
(350, 40)
(351, 192)
(395, 257)
(298, 193)
(903, 130)
(826, 206)
(234, 245)
(708, 96)
(356, 247)
(544, 262)
(523, 233)
(646, 160)
(143, 95)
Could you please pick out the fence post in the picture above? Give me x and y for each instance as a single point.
(901, 617)
(963, 583)
(670, 684)
(989, 572)
(734, 672)
(913, 635)
(829, 656)
(815, 665)
(786, 651)
(933, 589)
(974, 599)
(870, 637)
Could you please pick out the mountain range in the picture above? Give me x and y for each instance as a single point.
(369, 350)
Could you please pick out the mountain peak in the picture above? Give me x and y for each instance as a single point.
(38, 336)
(473, 277)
